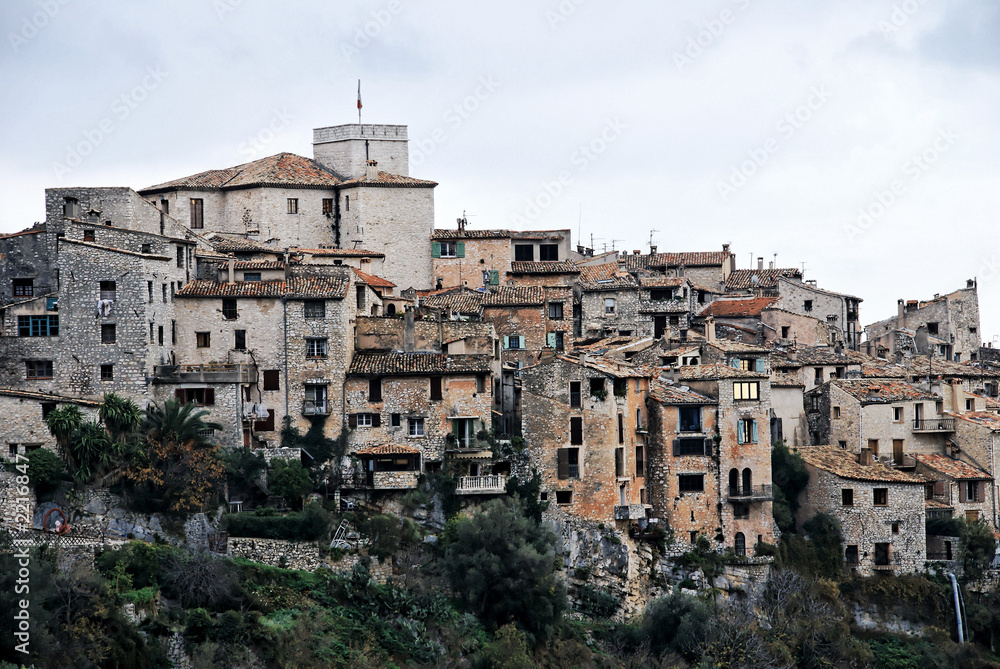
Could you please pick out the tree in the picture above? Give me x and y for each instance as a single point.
(97, 451)
(45, 468)
(502, 565)
(790, 476)
(64, 423)
(178, 465)
(243, 469)
(290, 480)
(978, 549)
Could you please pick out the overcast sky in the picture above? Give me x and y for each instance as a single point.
(857, 137)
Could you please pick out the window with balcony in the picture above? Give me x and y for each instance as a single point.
(464, 430)
(568, 463)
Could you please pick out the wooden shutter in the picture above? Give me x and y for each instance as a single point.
(435, 249)
(352, 421)
(753, 429)
(265, 425)
(963, 491)
(677, 447)
(209, 396)
(460, 249)
(939, 487)
(708, 446)
(494, 277)
(271, 377)
(179, 395)
(376, 420)
(741, 432)
(563, 469)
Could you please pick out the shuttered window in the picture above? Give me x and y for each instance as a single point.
(271, 377)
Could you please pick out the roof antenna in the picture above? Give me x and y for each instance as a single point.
(359, 104)
(651, 240)
(464, 221)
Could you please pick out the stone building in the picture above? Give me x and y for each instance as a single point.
(585, 429)
(814, 366)
(946, 325)
(529, 319)
(24, 413)
(786, 328)
(742, 455)
(890, 418)
(760, 282)
(438, 404)
(708, 269)
(288, 200)
(977, 441)
(880, 509)
(964, 490)
(609, 301)
(839, 310)
(739, 315)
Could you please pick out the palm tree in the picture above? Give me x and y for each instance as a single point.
(177, 424)
(64, 423)
(121, 417)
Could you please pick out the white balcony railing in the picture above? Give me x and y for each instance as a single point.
(489, 484)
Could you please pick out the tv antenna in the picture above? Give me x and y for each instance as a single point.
(464, 220)
(651, 232)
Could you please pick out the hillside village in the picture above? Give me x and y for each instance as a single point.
(646, 389)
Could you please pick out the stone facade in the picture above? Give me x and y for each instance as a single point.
(24, 423)
(884, 520)
(836, 309)
(460, 257)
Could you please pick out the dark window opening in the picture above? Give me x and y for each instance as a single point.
(691, 482)
(229, 308)
(240, 340)
(374, 390)
(108, 333)
(437, 392)
(524, 252)
(197, 213)
(548, 252)
(564, 496)
(24, 287)
(271, 377)
(575, 399)
(576, 430)
(203, 339)
(690, 419)
(38, 369)
(107, 372)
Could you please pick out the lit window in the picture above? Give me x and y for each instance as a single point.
(745, 390)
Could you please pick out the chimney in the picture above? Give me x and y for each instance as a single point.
(371, 172)
(637, 252)
(725, 248)
(770, 265)
(232, 269)
(652, 249)
(286, 264)
(970, 283)
(900, 315)
(957, 396)
(760, 264)
(409, 332)
(710, 329)
(866, 457)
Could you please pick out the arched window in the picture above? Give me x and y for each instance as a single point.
(747, 481)
(390, 309)
(734, 482)
(740, 545)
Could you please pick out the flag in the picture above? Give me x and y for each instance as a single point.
(359, 94)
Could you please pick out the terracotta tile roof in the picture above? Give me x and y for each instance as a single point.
(669, 394)
(48, 397)
(953, 469)
(606, 277)
(462, 300)
(470, 234)
(984, 418)
(374, 281)
(543, 267)
(259, 264)
(808, 356)
(992, 403)
(936, 505)
(785, 380)
(338, 253)
(922, 365)
(388, 449)
(621, 370)
(845, 465)
(29, 231)
(241, 245)
(310, 287)
(711, 372)
(660, 281)
(682, 351)
(515, 296)
(592, 345)
(389, 180)
(281, 170)
(540, 235)
(737, 346)
(418, 364)
(690, 259)
(742, 279)
(871, 391)
(749, 308)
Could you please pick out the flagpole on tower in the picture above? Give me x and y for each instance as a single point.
(359, 102)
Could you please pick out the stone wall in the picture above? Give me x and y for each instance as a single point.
(303, 555)
(596, 321)
(480, 255)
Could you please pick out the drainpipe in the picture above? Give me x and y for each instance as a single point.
(958, 608)
(284, 318)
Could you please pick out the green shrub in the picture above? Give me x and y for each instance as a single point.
(310, 524)
(198, 624)
(597, 603)
(45, 469)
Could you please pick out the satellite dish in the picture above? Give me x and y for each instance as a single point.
(755, 280)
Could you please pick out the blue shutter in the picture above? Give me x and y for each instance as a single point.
(460, 249)
(521, 343)
(435, 249)
(494, 277)
(506, 341)
(741, 432)
(759, 365)
(735, 363)
(550, 339)
(753, 437)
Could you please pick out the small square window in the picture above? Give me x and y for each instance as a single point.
(548, 252)
(807, 305)
(24, 287)
(895, 528)
(315, 348)
(204, 339)
(555, 310)
(564, 497)
(881, 496)
(314, 309)
(146, 248)
(107, 372)
(108, 335)
(394, 420)
(836, 412)
(415, 427)
(88, 236)
(293, 205)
